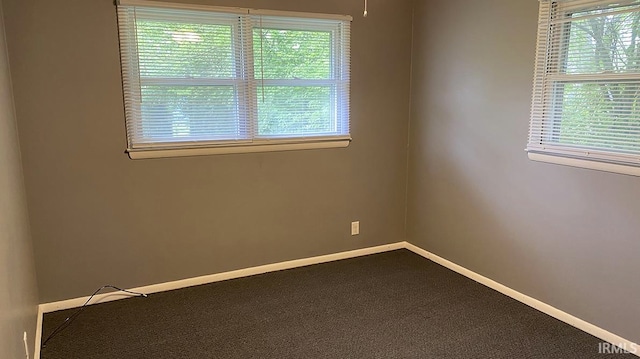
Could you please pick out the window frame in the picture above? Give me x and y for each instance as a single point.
(549, 83)
(259, 82)
(236, 81)
(245, 76)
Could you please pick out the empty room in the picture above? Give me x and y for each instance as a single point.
(319, 179)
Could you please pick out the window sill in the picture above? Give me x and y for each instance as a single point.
(221, 150)
(592, 165)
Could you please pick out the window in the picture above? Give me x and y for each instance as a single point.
(586, 93)
(203, 80)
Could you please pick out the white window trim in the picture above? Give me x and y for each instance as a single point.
(233, 10)
(564, 155)
(222, 150)
(270, 144)
(591, 165)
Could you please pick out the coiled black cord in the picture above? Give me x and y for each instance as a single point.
(73, 316)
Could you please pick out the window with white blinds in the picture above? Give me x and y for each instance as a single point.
(202, 80)
(586, 93)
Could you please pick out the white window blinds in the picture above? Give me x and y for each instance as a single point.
(586, 93)
(196, 76)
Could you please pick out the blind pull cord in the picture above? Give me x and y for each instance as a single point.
(365, 9)
(262, 57)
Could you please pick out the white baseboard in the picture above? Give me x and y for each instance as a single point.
(190, 282)
(532, 302)
(38, 335)
(155, 288)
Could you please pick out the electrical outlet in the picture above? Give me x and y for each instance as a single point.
(355, 228)
(26, 345)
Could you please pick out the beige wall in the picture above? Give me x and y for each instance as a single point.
(569, 237)
(18, 293)
(98, 217)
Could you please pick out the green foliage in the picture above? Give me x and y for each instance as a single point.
(169, 49)
(597, 113)
(292, 54)
(206, 112)
(286, 110)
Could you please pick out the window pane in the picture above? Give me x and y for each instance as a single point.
(603, 115)
(608, 44)
(176, 49)
(294, 110)
(292, 54)
(184, 113)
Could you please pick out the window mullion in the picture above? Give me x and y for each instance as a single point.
(248, 61)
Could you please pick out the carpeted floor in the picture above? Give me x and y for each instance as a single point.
(389, 305)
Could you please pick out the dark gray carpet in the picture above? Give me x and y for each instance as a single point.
(390, 305)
